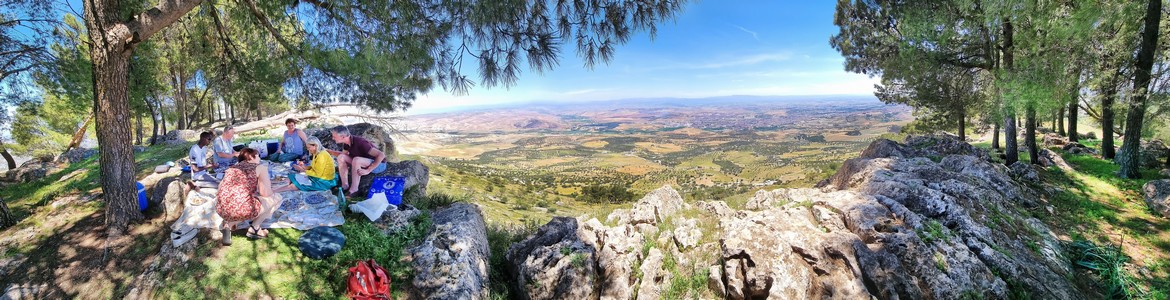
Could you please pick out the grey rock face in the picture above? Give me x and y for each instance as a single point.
(452, 262)
(555, 263)
(1157, 194)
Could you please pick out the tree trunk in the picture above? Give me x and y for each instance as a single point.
(138, 123)
(1107, 95)
(1009, 139)
(1130, 157)
(1073, 136)
(79, 135)
(153, 121)
(963, 124)
(1009, 128)
(6, 218)
(7, 156)
(1030, 134)
(995, 136)
(1060, 122)
(116, 160)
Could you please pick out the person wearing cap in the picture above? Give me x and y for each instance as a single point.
(321, 173)
(292, 145)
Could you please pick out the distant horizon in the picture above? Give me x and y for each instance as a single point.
(542, 102)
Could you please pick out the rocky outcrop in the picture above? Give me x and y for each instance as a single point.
(394, 220)
(554, 263)
(181, 136)
(76, 155)
(1049, 159)
(373, 133)
(1157, 194)
(1153, 154)
(416, 173)
(33, 170)
(929, 219)
(1052, 139)
(1078, 149)
(452, 262)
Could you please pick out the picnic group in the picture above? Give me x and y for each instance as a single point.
(247, 184)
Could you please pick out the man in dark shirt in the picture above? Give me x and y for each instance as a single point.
(358, 158)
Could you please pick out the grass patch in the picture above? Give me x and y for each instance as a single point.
(274, 266)
(500, 237)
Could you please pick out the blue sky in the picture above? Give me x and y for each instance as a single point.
(714, 48)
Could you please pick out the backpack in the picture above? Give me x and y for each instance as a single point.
(368, 280)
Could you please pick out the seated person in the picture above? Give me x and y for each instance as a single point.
(198, 157)
(357, 158)
(321, 173)
(225, 154)
(292, 145)
(245, 194)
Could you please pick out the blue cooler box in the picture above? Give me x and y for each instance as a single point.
(393, 186)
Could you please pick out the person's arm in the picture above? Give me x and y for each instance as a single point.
(280, 146)
(304, 140)
(379, 156)
(263, 183)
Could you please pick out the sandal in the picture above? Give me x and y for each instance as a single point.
(257, 233)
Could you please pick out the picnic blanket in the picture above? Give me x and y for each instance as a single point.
(300, 210)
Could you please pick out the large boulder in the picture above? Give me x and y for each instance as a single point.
(921, 228)
(452, 262)
(76, 155)
(1052, 139)
(652, 209)
(1153, 154)
(417, 176)
(182, 135)
(1157, 194)
(554, 263)
(35, 170)
(1079, 149)
(373, 133)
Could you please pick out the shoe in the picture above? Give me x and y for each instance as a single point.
(255, 233)
(227, 237)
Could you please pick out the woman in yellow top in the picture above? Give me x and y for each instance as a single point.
(321, 171)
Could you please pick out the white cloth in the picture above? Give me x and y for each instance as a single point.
(297, 212)
(198, 212)
(373, 207)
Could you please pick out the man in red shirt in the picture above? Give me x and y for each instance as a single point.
(358, 158)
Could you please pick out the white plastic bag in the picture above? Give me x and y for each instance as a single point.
(372, 208)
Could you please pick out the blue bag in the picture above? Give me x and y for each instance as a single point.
(393, 186)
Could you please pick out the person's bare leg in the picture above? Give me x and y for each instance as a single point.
(343, 162)
(268, 206)
(287, 188)
(355, 177)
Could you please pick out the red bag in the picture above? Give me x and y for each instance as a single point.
(368, 280)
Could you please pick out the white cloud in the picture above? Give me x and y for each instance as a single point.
(753, 33)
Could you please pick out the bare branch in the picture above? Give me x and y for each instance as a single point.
(151, 21)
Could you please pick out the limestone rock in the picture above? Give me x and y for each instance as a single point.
(554, 263)
(1157, 194)
(686, 233)
(1049, 158)
(1153, 154)
(1024, 171)
(715, 208)
(452, 262)
(652, 209)
(394, 220)
(417, 176)
(182, 136)
(618, 249)
(76, 155)
(655, 280)
(1052, 139)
